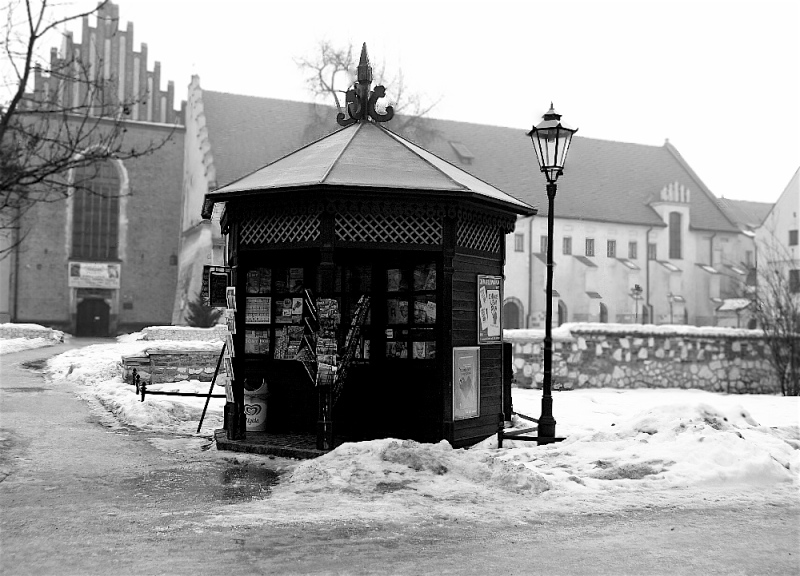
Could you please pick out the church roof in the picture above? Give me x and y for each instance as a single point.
(746, 214)
(604, 180)
(367, 155)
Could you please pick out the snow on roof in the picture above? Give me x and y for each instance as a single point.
(734, 304)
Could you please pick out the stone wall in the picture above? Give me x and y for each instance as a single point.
(627, 356)
(165, 363)
(10, 330)
(185, 333)
(176, 365)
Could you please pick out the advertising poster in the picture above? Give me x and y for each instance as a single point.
(489, 309)
(466, 382)
(94, 275)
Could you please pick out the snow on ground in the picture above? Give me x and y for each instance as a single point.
(9, 345)
(98, 369)
(45, 337)
(623, 448)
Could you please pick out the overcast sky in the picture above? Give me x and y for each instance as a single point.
(720, 80)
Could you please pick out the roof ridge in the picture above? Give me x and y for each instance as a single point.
(428, 162)
(341, 152)
(281, 158)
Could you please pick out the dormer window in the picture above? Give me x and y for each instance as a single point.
(465, 155)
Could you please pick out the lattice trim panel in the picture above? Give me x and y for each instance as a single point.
(389, 228)
(478, 236)
(276, 229)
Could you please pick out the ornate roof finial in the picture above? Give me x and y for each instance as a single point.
(360, 100)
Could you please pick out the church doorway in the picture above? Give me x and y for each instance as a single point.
(93, 317)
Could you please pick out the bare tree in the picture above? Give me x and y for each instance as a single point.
(60, 117)
(331, 72)
(778, 309)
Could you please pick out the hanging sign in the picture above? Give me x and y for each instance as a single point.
(466, 382)
(94, 275)
(489, 310)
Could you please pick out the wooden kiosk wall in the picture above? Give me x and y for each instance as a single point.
(471, 258)
(472, 243)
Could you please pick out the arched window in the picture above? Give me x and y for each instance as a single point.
(95, 212)
(603, 313)
(562, 312)
(511, 315)
(675, 235)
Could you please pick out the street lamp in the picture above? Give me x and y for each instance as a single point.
(636, 292)
(551, 140)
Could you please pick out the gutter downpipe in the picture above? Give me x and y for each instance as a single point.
(530, 273)
(647, 275)
(711, 263)
(16, 267)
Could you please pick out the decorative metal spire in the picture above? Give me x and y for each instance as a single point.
(360, 100)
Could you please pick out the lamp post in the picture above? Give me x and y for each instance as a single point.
(636, 292)
(551, 140)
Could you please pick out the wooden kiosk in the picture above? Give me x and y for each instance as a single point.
(368, 288)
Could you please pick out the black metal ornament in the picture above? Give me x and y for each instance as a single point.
(360, 101)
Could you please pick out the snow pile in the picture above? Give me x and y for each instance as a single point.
(19, 337)
(623, 448)
(9, 345)
(98, 369)
(378, 467)
(668, 446)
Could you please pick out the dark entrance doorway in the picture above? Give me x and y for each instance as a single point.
(93, 316)
(511, 315)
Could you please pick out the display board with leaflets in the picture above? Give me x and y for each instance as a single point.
(274, 311)
(411, 312)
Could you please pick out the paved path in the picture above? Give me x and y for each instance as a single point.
(79, 496)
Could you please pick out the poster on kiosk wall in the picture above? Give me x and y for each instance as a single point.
(489, 310)
(466, 382)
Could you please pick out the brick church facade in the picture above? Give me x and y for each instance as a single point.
(104, 261)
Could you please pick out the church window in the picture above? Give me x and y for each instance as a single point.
(95, 212)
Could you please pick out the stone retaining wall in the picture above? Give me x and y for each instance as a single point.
(10, 330)
(185, 333)
(163, 363)
(160, 365)
(621, 356)
(177, 365)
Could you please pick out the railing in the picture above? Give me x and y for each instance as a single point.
(141, 389)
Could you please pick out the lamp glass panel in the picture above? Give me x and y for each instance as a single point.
(552, 146)
(538, 149)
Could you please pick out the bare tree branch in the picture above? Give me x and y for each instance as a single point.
(778, 308)
(331, 71)
(49, 137)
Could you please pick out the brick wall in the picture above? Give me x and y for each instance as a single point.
(589, 356)
(149, 271)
